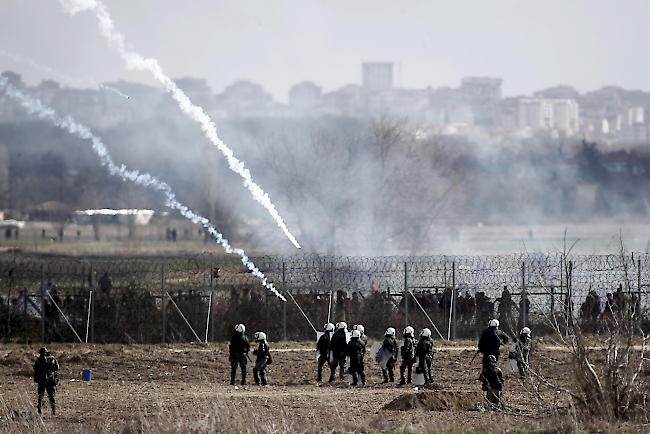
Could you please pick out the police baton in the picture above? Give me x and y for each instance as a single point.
(475, 354)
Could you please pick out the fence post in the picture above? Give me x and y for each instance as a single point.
(329, 305)
(524, 295)
(569, 292)
(284, 305)
(638, 281)
(453, 300)
(91, 283)
(25, 316)
(552, 301)
(405, 295)
(42, 291)
(163, 301)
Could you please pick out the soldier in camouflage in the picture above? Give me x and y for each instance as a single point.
(46, 376)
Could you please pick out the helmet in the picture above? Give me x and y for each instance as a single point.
(359, 327)
(241, 328)
(342, 326)
(425, 333)
(525, 331)
(260, 336)
(492, 359)
(42, 351)
(329, 327)
(390, 331)
(356, 334)
(494, 323)
(409, 330)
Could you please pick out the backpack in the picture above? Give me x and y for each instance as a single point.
(51, 369)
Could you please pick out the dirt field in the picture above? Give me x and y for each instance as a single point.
(183, 388)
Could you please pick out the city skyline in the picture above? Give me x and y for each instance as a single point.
(531, 47)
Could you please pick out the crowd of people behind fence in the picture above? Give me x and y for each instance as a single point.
(132, 313)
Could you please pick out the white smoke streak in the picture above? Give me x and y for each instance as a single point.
(37, 108)
(60, 76)
(135, 60)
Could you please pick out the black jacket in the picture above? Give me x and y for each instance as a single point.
(323, 344)
(408, 349)
(355, 350)
(424, 349)
(262, 351)
(338, 343)
(239, 344)
(491, 340)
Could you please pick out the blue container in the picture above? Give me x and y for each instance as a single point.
(87, 375)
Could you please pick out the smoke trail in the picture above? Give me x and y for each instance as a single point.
(60, 76)
(36, 107)
(135, 60)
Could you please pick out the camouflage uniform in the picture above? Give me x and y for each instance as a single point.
(524, 343)
(408, 359)
(492, 381)
(46, 375)
(389, 344)
(238, 348)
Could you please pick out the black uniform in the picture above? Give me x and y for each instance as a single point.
(389, 344)
(239, 348)
(322, 346)
(408, 359)
(46, 375)
(424, 354)
(263, 357)
(492, 382)
(356, 350)
(338, 349)
(490, 343)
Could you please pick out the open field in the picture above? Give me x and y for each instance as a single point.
(183, 388)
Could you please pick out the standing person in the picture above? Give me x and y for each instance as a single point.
(389, 345)
(490, 342)
(46, 375)
(338, 349)
(408, 355)
(238, 349)
(356, 350)
(424, 354)
(492, 381)
(263, 354)
(522, 348)
(362, 332)
(322, 346)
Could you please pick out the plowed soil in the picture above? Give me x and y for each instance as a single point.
(137, 383)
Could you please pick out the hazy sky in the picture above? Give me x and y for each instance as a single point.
(531, 44)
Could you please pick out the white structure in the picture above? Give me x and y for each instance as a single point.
(377, 76)
(547, 113)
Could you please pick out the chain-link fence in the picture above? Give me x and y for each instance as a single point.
(200, 297)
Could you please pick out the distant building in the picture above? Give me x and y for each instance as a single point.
(549, 114)
(305, 96)
(246, 98)
(485, 89)
(377, 76)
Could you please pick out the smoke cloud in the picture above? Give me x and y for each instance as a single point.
(136, 61)
(37, 108)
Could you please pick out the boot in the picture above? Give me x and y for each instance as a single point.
(391, 376)
(256, 378)
(243, 377)
(354, 379)
(53, 408)
(233, 375)
(385, 374)
(342, 373)
(263, 377)
(363, 378)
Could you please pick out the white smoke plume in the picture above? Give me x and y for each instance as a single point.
(136, 61)
(60, 76)
(37, 108)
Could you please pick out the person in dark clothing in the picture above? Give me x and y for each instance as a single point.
(408, 356)
(492, 381)
(263, 354)
(238, 349)
(322, 346)
(490, 342)
(522, 350)
(389, 345)
(338, 348)
(355, 350)
(424, 354)
(362, 332)
(46, 376)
